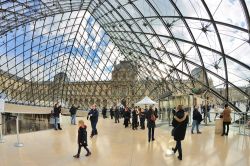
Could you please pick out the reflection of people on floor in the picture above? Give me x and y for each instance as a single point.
(82, 139)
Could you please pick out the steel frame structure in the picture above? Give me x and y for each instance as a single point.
(85, 38)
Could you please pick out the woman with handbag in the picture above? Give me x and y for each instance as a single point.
(226, 119)
(151, 117)
(180, 120)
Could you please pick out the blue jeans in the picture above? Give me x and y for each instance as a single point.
(73, 119)
(93, 125)
(195, 123)
(56, 122)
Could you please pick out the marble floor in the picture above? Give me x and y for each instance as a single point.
(117, 146)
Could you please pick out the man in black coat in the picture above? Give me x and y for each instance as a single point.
(104, 112)
(111, 112)
(134, 119)
(127, 116)
(197, 118)
(117, 115)
(82, 139)
(93, 116)
(73, 111)
(56, 114)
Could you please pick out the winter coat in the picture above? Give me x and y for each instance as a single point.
(104, 111)
(197, 115)
(73, 110)
(226, 115)
(151, 117)
(93, 114)
(179, 130)
(134, 115)
(127, 115)
(117, 113)
(82, 135)
(57, 111)
(111, 112)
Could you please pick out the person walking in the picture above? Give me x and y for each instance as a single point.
(111, 112)
(126, 117)
(134, 119)
(82, 139)
(117, 115)
(151, 118)
(180, 121)
(104, 112)
(197, 118)
(73, 111)
(226, 119)
(142, 119)
(57, 112)
(93, 116)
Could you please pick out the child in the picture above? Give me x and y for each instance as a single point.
(82, 139)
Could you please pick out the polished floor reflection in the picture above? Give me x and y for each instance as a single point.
(117, 146)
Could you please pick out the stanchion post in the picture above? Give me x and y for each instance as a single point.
(18, 144)
(1, 130)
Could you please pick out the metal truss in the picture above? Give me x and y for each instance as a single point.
(42, 39)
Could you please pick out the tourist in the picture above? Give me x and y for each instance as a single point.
(151, 117)
(117, 115)
(57, 112)
(104, 112)
(142, 119)
(179, 123)
(156, 112)
(93, 116)
(226, 119)
(197, 118)
(111, 112)
(73, 111)
(126, 117)
(134, 119)
(82, 139)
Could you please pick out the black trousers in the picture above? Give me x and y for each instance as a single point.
(151, 133)
(126, 122)
(117, 120)
(178, 148)
(224, 127)
(79, 149)
(134, 123)
(142, 123)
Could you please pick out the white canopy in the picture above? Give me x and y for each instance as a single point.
(146, 101)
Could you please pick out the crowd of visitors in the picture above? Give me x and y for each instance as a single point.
(136, 117)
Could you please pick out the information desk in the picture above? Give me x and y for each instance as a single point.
(30, 118)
